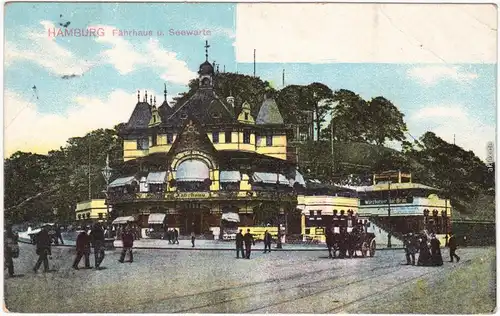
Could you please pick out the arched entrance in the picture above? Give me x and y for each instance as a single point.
(193, 219)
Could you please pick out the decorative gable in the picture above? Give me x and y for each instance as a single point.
(245, 114)
(155, 117)
(192, 138)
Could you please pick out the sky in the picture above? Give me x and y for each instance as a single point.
(436, 63)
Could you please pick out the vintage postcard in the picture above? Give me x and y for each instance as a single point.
(249, 158)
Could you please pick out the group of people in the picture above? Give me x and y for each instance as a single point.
(429, 249)
(172, 235)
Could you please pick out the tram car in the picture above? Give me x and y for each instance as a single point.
(347, 237)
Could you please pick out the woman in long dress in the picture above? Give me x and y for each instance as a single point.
(424, 257)
(437, 259)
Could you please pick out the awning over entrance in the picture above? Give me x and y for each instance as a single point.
(230, 176)
(156, 218)
(231, 217)
(157, 177)
(121, 182)
(267, 177)
(123, 220)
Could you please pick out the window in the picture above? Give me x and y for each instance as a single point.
(88, 215)
(142, 143)
(170, 138)
(228, 137)
(246, 137)
(154, 139)
(246, 116)
(269, 140)
(100, 215)
(318, 213)
(215, 137)
(79, 216)
(311, 213)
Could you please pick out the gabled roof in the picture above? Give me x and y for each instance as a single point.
(205, 107)
(192, 137)
(269, 113)
(140, 117)
(165, 111)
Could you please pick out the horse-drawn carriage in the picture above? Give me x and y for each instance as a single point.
(350, 241)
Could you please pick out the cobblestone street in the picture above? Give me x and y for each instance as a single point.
(201, 281)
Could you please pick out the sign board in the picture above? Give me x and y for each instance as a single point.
(192, 195)
(406, 200)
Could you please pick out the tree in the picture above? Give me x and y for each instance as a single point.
(385, 122)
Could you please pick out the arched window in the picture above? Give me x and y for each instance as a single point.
(193, 175)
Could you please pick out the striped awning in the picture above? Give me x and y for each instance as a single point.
(192, 170)
(268, 177)
(156, 218)
(156, 177)
(121, 181)
(231, 217)
(123, 220)
(230, 176)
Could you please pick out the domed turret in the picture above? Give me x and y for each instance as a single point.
(206, 69)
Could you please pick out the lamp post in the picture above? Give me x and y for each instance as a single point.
(106, 173)
(278, 242)
(389, 244)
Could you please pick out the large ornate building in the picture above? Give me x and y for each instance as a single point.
(200, 162)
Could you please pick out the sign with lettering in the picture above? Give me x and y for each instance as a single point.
(192, 195)
(405, 200)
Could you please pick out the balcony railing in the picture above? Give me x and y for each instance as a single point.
(120, 197)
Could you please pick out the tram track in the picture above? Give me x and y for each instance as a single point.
(224, 296)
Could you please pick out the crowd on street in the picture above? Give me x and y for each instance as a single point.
(428, 248)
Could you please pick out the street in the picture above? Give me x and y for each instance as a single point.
(202, 281)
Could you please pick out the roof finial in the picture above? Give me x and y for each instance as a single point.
(224, 68)
(138, 96)
(155, 101)
(146, 96)
(217, 68)
(151, 99)
(206, 50)
(165, 92)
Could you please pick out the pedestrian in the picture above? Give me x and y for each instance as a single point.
(176, 236)
(169, 235)
(165, 232)
(424, 257)
(452, 244)
(10, 249)
(58, 235)
(410, 248)
(437, 259)
(330, 242)
(97, 239)
(128, 243)
(239, 245)
(248, 239)
(43, 250)
(82, 250)
(267, 241)
(193, 237)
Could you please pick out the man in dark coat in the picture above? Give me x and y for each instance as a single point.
(424, 257)
(128, 243)
(43, 250)
(248, 239)
(239, 244)
(10, 249)
(267, 241)
(411, 247)
(97, 239)
(330, 242)
(452, 244)
(82, 250)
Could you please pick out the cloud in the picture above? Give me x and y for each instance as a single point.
(46, 52)
(366, 33)
(430, 75)
(28, 130)
(126, 57)
(453, 121)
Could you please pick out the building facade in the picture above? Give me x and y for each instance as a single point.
(204, 165)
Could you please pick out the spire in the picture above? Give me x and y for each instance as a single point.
(155, 101)
(165, 92)
(206, 50)
(151, 99)
(146, 96)
(138, 96)
(217, 68)
(224, 68)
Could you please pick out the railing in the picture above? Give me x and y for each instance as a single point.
(120, 197)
